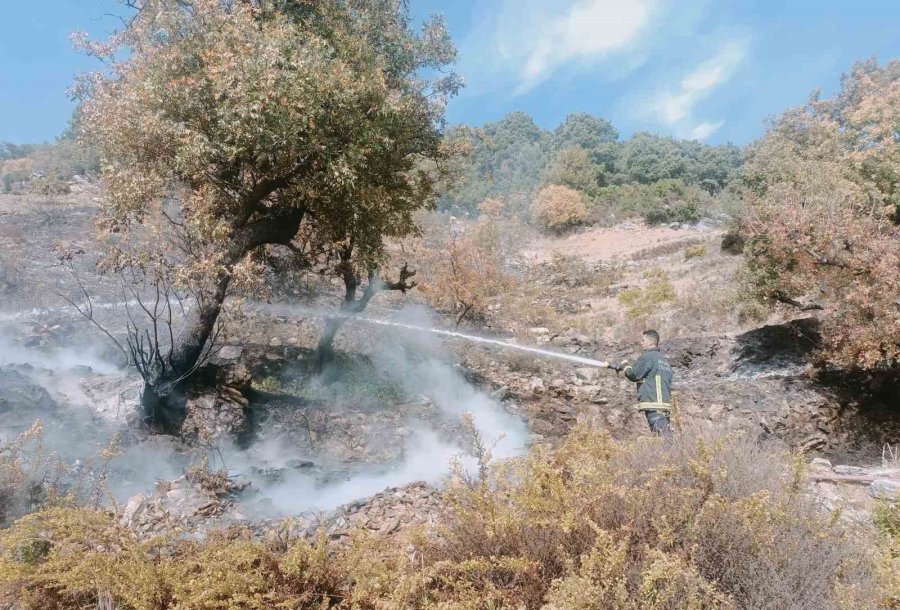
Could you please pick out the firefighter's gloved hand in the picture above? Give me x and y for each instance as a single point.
(624, 364)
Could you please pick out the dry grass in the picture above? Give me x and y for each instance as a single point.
(701, 522)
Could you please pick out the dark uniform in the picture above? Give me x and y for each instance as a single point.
(654, 378)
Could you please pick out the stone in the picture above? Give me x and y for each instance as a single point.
(536, 385)
(230, 353)
(588, 373)
(114, 398)
(390, 526)
(845, 469)
(135, 510)
(821, 464)
(715, 411)
(813, 441)
(885, 490)
(275, 342)
(542, 426)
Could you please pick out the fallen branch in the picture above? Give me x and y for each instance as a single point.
(849, 478)
(783, 298)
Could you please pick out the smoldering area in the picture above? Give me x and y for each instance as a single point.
(403, 397)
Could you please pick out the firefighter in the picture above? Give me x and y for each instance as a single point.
(653, 375)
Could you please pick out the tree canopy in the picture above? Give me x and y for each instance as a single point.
(244, 125)
(824, 223)
(515, 156)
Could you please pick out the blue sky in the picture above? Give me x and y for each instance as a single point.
(706, 69)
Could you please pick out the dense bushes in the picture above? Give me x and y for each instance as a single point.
(516, 156)
(14, 173)
(664, 201)
(49, 168)
(824, 231)
(557, 208)
(700, 523)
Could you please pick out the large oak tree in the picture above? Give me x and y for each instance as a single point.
(226, 127)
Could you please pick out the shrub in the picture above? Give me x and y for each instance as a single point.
(26, 474)
(15, 172)
(639, 303)
(733, 241)
(462, 266)
(703, 521)
(825, 224)
(658, 202)
(557, 208)
(695, 251)
(64, 159)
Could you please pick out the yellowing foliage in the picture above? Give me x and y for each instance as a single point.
(702, 523)
(824, 221)
(557, 207)
(463, 269)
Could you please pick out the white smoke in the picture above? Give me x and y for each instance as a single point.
(411, 359)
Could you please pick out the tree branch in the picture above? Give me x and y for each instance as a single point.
(783, 298)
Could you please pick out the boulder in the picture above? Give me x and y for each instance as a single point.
(885, 490)
(22, 401)
(114, 398)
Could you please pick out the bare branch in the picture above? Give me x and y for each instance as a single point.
(783, 298)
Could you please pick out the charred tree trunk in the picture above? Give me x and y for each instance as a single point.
(325, 347)
(163, 398)
(352, 305)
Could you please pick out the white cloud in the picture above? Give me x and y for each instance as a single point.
(518, 44)
(675, 107)
(704, 130)
(583, 32)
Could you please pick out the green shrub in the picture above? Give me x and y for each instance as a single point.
(659, 202)
(65, 159)
(639, 303)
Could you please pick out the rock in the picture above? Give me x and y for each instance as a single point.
(536, 385)
(114, 398)
(715, 411)
(229, 353)
(216, 414)
(275, 342)
(844, 469)
(820, 464)
(813, 441)
(588, 373)
(135, 510)
(542, 426)
(237, 376)
(885, 490)
(22, 402)
(389, 527)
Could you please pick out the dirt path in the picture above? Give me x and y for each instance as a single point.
(604, 243)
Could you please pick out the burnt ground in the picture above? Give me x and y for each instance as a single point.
(754, 376)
